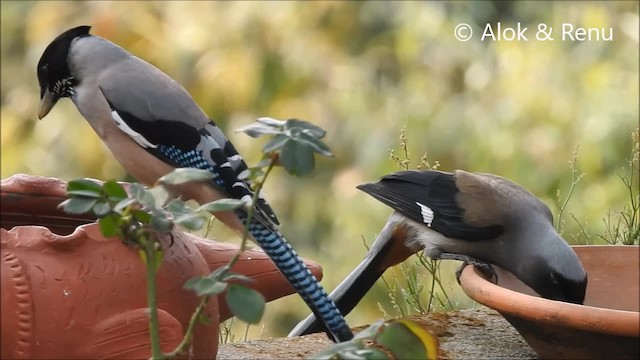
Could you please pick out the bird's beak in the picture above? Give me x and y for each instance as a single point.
(46, 103)
(388, 249)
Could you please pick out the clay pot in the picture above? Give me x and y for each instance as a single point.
(68, 292)
(607, 326)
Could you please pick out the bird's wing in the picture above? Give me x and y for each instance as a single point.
(161, 117)
(432, 198)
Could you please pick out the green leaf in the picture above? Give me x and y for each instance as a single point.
(142, 216)
(406, 339)
(275, 144)
(219, 273)
(297, 158)
(396, 339)
(159, 223)
(108, 226)
(114, 190)
(134, 189)
(271, 122)
(229, 276)
(190, 221)
(263, 126)
(306, 127)
(205, 286)
(221, 205)
(317, 145)
(84, 184)
(84, 193)
(178, 207)
(160, 194)
(101, 208)
(78, 205)
(120, 206)
(183, 175)
(245, 303)
(191, 283)
(142, 195)
(146, 199)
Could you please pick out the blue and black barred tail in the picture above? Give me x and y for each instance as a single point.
(305, 283)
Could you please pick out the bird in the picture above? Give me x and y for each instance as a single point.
(477, 218)
(152, 126)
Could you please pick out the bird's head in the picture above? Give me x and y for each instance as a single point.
(54, 75)
(554, 270)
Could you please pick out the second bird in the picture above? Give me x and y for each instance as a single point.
(476, 218)
(152, 126)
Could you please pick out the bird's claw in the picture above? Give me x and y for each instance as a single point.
(486, 269)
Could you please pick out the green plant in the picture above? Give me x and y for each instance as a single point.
(620, 226)
(396, 339)
(623, 226)
(575, 179)
(143, 217)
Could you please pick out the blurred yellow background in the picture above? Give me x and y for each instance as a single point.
(362, 71)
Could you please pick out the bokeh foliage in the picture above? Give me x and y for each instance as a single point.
(362, 71)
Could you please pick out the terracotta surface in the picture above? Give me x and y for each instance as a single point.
(606, 327)
(67, 292)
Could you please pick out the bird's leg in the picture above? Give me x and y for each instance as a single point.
(485, 268)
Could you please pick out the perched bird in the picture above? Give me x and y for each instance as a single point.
(152, 126)
(476, 218)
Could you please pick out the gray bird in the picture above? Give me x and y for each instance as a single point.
(480, 219)
(152, 126)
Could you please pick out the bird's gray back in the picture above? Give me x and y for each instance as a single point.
(138, 87)
(489, 198)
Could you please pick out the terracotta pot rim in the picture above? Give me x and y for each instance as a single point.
(549, 312)
(89, 230)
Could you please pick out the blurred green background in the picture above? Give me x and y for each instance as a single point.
(362, 71)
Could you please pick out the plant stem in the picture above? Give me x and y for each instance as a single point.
(188, 335)
(574, 181)
(154, 333)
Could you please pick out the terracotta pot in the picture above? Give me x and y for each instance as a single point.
(67, 292)
(607, 326)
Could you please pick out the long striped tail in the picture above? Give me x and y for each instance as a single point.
(302, 280)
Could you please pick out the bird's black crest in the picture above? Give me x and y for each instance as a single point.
(53, 64)
(436, 190)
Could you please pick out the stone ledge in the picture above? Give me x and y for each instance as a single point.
(465, 334)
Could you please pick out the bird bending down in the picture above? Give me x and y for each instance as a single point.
(152, 126)
(477, 218)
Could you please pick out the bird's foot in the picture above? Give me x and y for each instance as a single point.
(486, 269)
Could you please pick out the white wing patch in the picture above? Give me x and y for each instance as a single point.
(244, 174)
(239, 184)
(137, 137)
(427, 214)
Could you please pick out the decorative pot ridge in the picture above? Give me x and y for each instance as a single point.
(97, 288)
(68, 292)
(34, 185)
